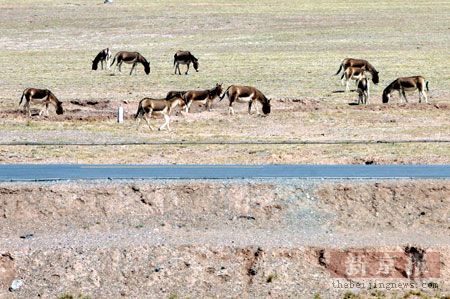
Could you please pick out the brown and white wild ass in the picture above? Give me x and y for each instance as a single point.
(130, 58)
(184, 57)
(352, 73)
(362, 89)
(104, 55)
(148, 107)
(359, 63)
(404, 84)
(202, 97)
(246, 94)
(42, 97)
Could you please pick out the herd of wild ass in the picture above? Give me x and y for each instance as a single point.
(359, 70)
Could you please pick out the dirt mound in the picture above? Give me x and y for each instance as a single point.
(92, 103)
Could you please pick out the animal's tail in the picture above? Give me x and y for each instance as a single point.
(114, 60)
(340, 68)
(140, 111)
(174, 59)
(223, 95)
(426, 84)
(21, 99)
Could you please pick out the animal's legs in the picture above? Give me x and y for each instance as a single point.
(188, 106)
(422, 94)
(230, 107)
(42, 111)
(147, 120)
(400, 95)
(208, 105)
(26, 107)
(132, 68)
(347, 81)
(166, 122)
(425, 96)
(187, 70)
(359, 96)
(250, 107)
(404, 95)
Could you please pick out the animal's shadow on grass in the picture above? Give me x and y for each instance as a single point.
(353, 104)
(342, 91)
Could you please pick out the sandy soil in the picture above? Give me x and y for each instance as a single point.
(216, 239)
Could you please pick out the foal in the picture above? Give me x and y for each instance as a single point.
(131, 58)
(42, 97)
(148, 107)
(184, 57)
(202, 96)
(404, 84)
(104, 55)
(246, 94)
(352, 73)
(363, 91)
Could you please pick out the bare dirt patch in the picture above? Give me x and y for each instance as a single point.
(197, 239)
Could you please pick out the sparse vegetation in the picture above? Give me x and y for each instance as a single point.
(254, 43)
(70, 296)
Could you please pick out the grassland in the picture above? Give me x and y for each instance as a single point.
(288, 49)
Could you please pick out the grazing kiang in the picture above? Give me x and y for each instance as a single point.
(246, 94)
(205, 97)
(359, 63)
(41, 97)
(362, 89)
(103, 56)
(184, 57)
(148, 107)
(131, 58)
(353, 73)
(406, 84)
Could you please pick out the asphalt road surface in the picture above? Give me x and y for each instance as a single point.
(57, 172)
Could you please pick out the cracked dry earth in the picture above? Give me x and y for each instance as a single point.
(222, 239)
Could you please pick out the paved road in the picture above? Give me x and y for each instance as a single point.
(54, 172)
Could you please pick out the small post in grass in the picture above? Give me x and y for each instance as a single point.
(120, 114)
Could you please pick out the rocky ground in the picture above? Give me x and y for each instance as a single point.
(187, 239)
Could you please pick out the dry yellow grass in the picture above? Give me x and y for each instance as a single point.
(289, 50)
